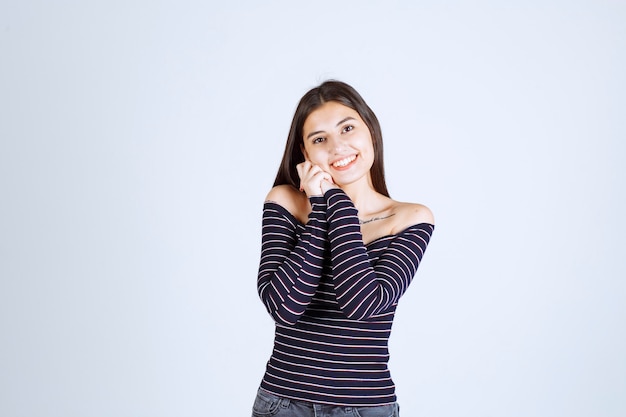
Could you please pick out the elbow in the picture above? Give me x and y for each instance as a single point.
(364, 311)
(356, 314)
(284, 321)
(281, 311)
(283, 317)
(361, 317)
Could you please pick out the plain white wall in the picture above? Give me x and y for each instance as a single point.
(138, 140)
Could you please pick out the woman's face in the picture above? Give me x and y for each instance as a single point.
(338, 141)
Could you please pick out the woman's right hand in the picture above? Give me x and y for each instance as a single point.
(313, 180)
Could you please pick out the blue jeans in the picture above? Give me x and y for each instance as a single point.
(270, 405)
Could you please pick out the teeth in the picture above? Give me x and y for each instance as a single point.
(345, 161)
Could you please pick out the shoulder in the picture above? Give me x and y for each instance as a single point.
(409, 214)
(291, 200)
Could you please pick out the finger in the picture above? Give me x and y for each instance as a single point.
(314, 170)
(302, 168)
(308, 171)
(319, 176)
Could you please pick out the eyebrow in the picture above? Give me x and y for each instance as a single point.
(339, 123)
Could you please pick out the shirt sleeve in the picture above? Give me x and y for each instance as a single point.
(291, 265)
(363, 290)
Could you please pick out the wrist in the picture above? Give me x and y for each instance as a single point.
(313, 192)
(326, 186)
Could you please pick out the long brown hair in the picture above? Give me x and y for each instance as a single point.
(344, 94)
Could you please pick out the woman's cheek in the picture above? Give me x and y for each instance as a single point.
(315, 159)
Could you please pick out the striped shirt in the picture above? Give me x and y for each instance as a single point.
(333, 300)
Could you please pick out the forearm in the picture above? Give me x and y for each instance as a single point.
(291, 266)
(356, 287)
(363, 290)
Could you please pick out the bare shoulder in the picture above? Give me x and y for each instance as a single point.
(409, 214)
(291, 200)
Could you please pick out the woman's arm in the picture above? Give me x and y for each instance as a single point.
(290, 266)
(362, 290)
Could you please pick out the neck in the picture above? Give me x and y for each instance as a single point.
(365, 199)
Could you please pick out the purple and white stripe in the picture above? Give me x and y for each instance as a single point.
(333, 300)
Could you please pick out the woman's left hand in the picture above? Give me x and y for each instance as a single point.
(314, 180)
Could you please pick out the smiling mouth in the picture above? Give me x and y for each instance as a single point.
(344, 162)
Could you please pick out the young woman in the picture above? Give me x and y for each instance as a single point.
(337, 254)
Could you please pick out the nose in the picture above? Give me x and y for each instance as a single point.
(336, 144)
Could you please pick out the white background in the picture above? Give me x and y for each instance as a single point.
(138, 141)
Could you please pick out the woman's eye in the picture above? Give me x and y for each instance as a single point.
(318, 140)
(348, 128)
